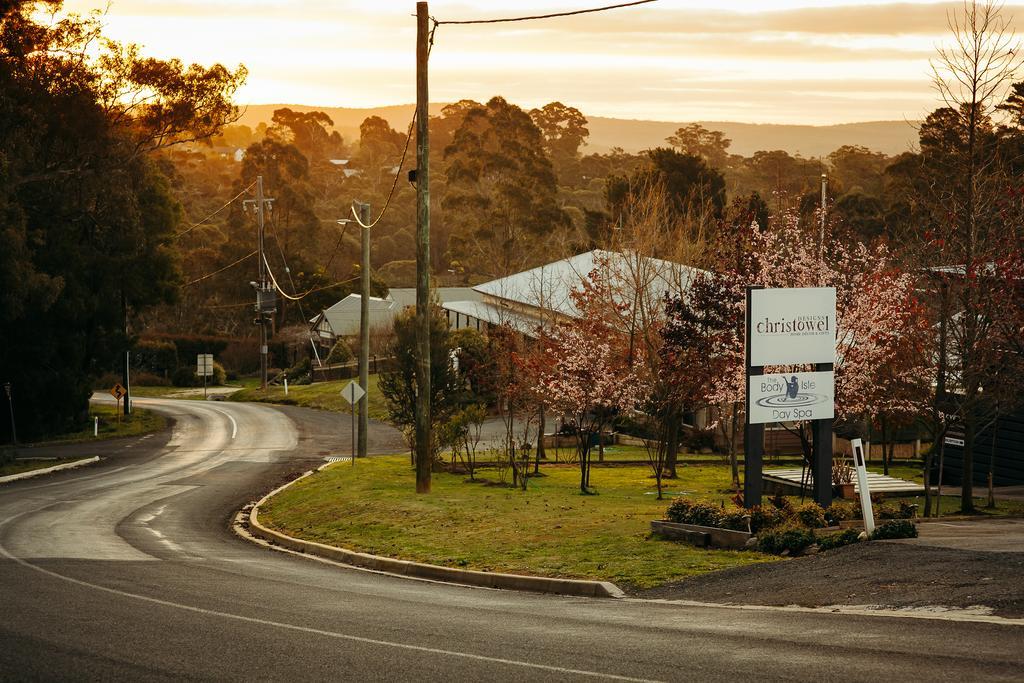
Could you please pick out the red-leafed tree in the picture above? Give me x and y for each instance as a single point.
(880, 358)
(584, 372)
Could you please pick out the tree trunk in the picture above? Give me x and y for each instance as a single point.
(885, 440)
(672, 446)
(540, 453)
(967, 484)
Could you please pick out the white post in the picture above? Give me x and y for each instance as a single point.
(862, 485)
(95, 425)
(285, 386)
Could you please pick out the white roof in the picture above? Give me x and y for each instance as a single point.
(549, 286)
(406, 296)
(342, 319)
(495, 315)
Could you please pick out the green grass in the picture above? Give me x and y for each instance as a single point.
(321, 395)
(548, 530)
(19, 466)
(140, 422)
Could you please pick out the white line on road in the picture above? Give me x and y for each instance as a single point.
(309, 629)
(234, 425)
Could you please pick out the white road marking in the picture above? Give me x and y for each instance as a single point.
(311, 630)
(234, 425)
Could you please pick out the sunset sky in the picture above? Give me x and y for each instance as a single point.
(766, 61)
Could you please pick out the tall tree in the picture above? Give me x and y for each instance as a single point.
(500, 202)
(86, 213)
(565, 131)
(710, 145)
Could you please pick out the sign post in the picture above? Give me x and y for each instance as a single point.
(118, 392)
(204, 368)
(787, 327)
(352, 393)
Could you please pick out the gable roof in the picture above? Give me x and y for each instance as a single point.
(550, 286)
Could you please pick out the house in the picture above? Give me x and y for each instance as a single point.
(543, 295)
(342, 319)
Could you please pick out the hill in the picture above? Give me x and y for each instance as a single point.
(890, 137)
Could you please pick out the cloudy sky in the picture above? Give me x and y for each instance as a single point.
(765, 61)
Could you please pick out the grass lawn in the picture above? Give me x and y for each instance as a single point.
(321, 395)
(548, 530)
(140, 422)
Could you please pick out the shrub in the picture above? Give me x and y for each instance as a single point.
(340, 353)
(148, 379)
(838, 539)
(780, 502)
(839, 512)
(735, 518)
(897, 528)
(765, 517)
(811, 515)
(686, 511)
(699, 439)
(219, 375)
(787, 538)
(185, 376)
(157, 356)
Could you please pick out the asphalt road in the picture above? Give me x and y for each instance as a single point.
(128, 570)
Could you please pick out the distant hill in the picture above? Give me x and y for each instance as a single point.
(890, 137)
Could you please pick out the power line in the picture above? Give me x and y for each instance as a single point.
(226, 205)
(230, 265)
(543, 16)
(394, 185)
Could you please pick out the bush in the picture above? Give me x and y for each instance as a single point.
(701, 512)
(219, 375)
(185, 376)
(811, 515)
(897, 528)
(839, 512)
(735, 518)
(148, 379)
(765, 518)
(340, 353)
(780, 502)
(155, 356)
(788, 538)
(699, 439)
(838, 539)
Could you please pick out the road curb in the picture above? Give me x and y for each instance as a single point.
(46, 470)
(419, 570)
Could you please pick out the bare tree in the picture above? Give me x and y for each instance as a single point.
(968, 231)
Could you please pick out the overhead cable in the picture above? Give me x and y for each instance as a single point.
(544, 16)
(226, 205)
(230, 265)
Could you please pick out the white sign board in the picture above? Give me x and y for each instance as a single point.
(792, 326)
(204, 365)
(352, 392)
(792, 396)
(954, 441)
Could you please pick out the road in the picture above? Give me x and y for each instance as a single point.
(128, 570)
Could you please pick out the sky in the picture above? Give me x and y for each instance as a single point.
(760, 61)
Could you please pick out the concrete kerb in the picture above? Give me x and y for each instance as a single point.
(419, 570)
(46, 470)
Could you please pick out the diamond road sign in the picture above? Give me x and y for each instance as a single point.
(352, 392)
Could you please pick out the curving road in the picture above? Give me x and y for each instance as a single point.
(128, 570)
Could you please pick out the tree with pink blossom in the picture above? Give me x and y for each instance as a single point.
(584, 372)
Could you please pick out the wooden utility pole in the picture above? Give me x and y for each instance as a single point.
(423, 430)
(364, 328)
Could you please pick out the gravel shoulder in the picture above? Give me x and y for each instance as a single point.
(880, 573)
